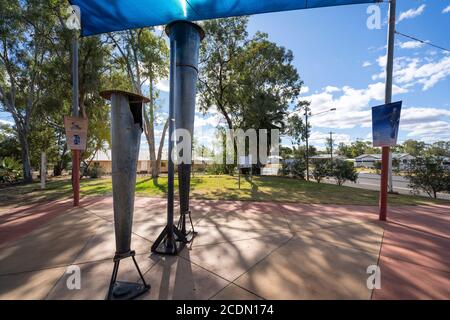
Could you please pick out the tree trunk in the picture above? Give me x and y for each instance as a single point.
(59, 167)
(160, 149)
(27, 177)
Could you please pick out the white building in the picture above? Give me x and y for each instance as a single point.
(368, 160)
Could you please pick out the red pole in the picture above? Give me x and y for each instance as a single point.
(76, 177)
(384, 182)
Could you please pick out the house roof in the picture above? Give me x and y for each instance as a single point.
(325, 156)
(377, 156)
(144, 155)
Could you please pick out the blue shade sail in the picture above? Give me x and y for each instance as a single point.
(100, 16)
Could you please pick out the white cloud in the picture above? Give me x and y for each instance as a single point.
(413, 116)
(6, 122)
(352, 105)
(331, 89)
(410, 44)
(446, 9)
(203, 121)
(305, 89)
(366, 64)
(411, 13)
(409, 71)
(428, 131)
(163, 85)
(382, 60)
(319, 138)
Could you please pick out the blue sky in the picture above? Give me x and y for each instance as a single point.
(341, 62)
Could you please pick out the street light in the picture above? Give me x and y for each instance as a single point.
(307, 147)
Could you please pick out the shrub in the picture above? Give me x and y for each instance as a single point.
(343, 171)
(294, 167)
(10, 170)
(96, 171)
(216, 169)
(321, 170)
(396, 166)
(429, 174)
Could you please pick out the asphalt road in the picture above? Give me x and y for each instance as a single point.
(372, 181)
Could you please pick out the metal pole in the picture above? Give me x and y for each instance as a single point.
(331, 145)
(307, 147)
(390, 183)
(171, 170)
(43, 169)
(385, 165)
(75, 112)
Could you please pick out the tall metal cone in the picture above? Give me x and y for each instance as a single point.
(185, 38)
(126, 130)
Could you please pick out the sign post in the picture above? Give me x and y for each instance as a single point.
(385, 123)
(75, 112)
(385, 151)
(76, 137)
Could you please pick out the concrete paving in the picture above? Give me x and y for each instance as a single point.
(244, 250)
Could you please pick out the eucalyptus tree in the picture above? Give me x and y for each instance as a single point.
(222, 46)
(93, 70)
(250, 80)
(24, 49)
(144, 56)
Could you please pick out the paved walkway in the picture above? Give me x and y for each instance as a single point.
(245, 250)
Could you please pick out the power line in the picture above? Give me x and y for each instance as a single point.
(422, 41)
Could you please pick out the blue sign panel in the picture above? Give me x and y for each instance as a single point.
(385, 122)
(101, 16)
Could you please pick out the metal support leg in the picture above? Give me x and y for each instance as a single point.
(121, 290)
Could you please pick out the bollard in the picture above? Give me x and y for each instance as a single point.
(126, 130)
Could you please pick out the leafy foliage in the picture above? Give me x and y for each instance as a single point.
(357, 148)
(321, 170)
(343, 171)
(429, 174)
(10, 170)
(294, 167)
(251, 81)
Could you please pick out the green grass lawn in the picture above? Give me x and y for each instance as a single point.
(222, 187)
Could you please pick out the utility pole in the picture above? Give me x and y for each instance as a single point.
(307, 135)
(390, 183)
(385, 151)
(75, 112)
(331, 145)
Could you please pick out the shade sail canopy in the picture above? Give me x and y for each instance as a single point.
(101, 16)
